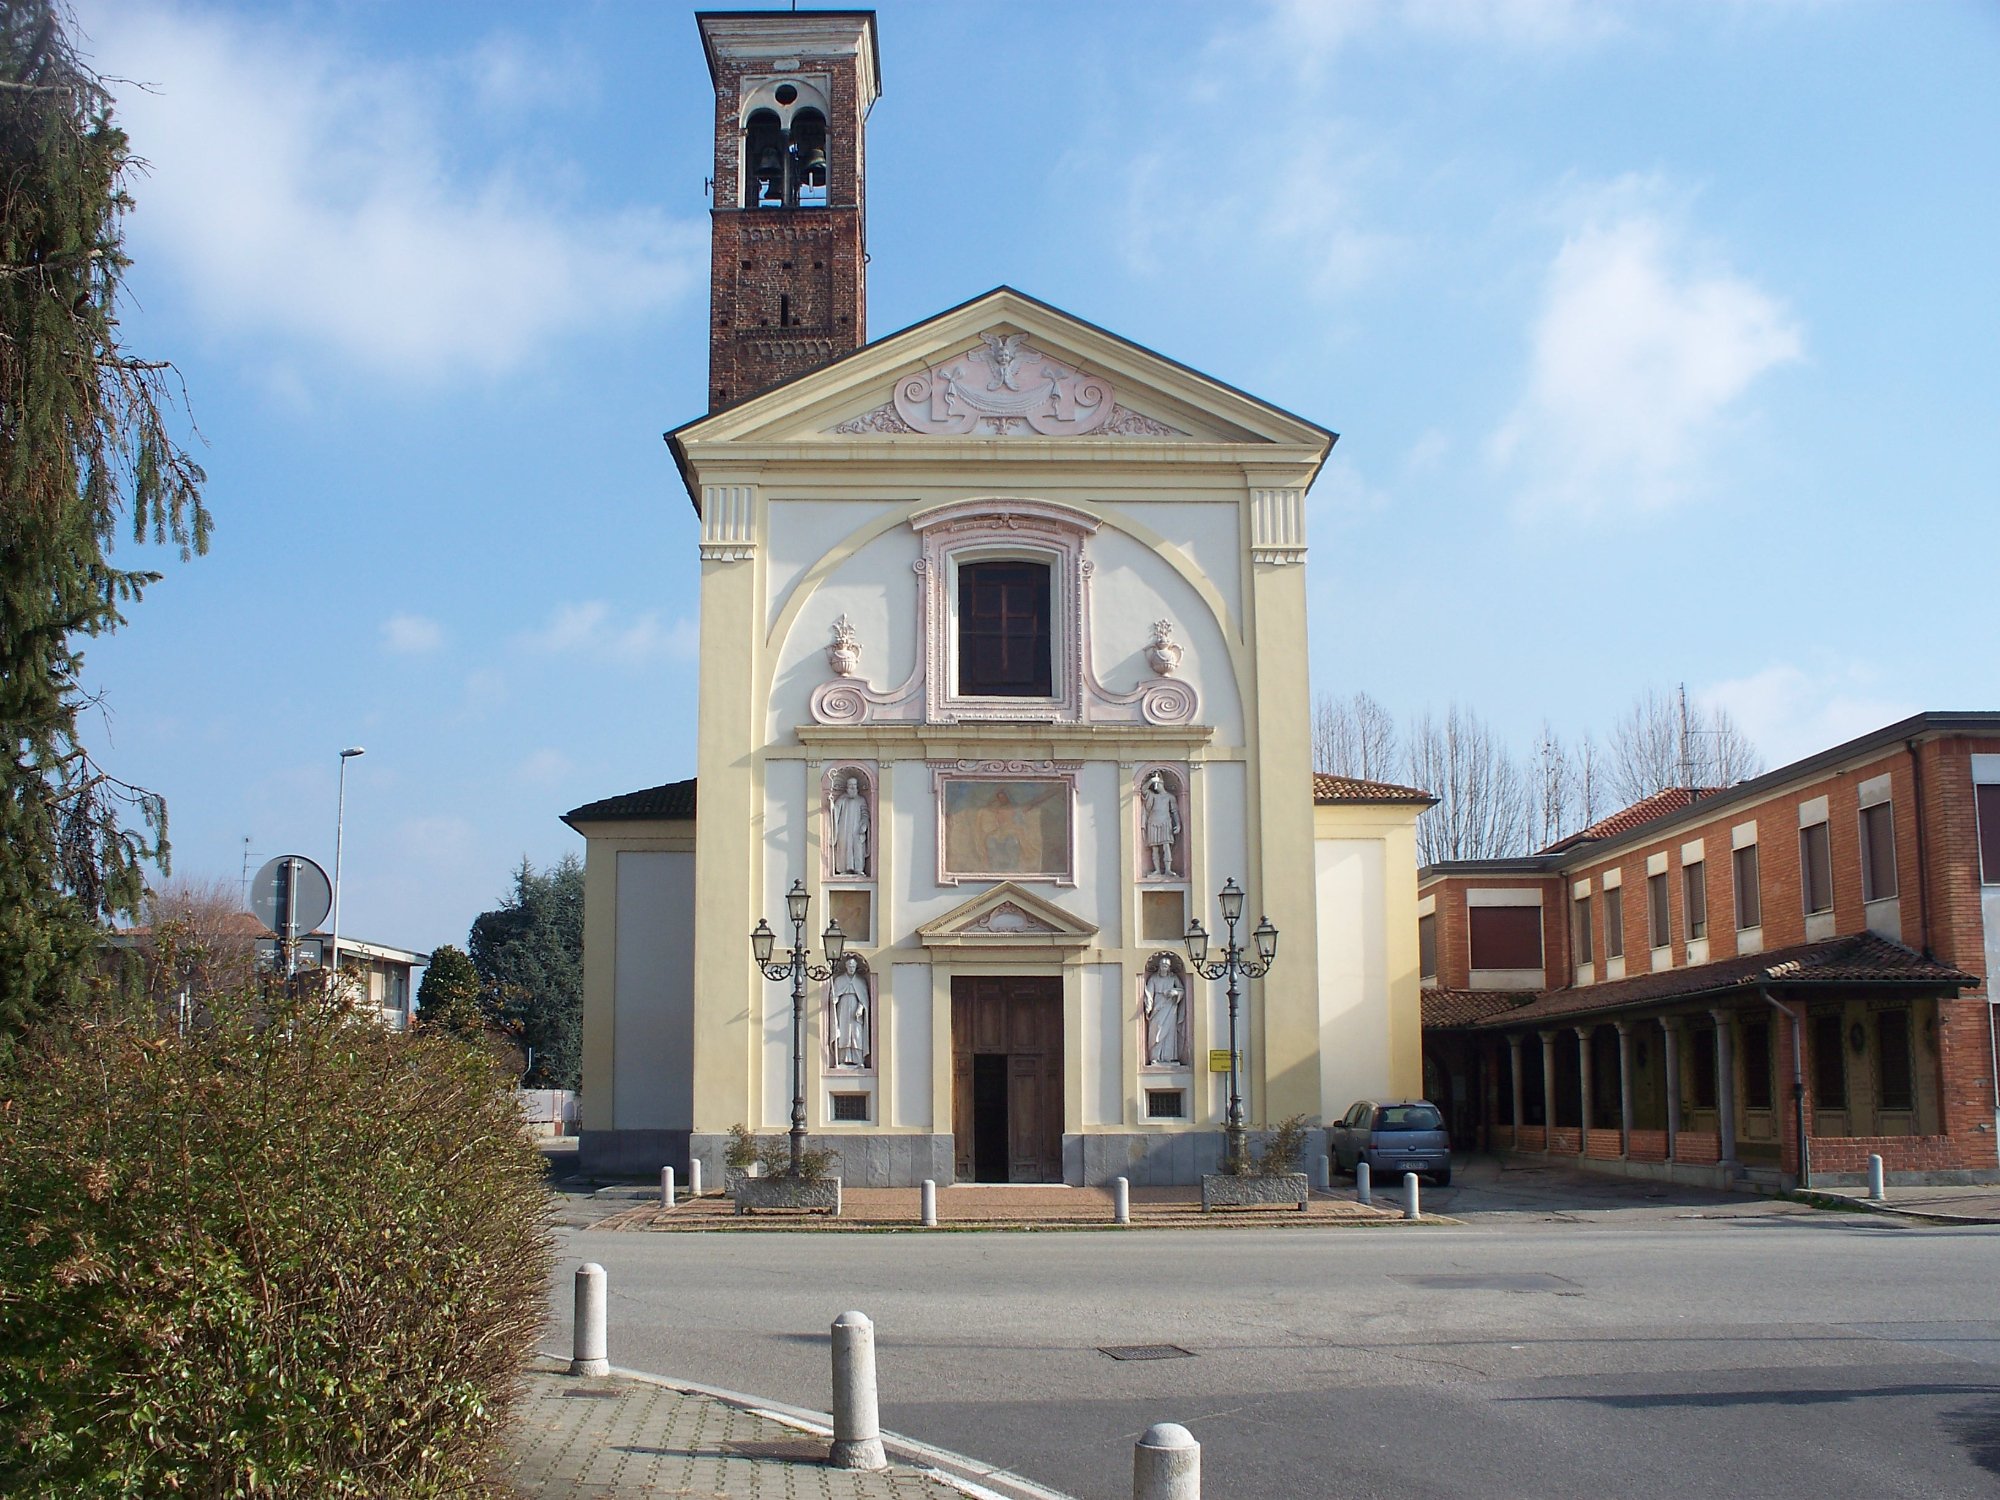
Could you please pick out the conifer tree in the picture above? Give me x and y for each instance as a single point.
(85, 448)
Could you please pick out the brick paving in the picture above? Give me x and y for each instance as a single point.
(621, 1439)
(981, 1206)
(1975, 1204)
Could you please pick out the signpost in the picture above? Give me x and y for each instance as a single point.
(291, 895)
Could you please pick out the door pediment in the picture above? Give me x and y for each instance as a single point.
(1007, 915)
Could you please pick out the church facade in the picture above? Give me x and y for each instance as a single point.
(1003, 673)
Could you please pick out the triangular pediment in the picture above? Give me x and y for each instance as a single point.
(1006, 366)
(1007, 915)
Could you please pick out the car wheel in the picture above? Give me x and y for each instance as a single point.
(1444, 1178)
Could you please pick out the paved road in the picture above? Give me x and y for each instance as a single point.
(1564, 1341)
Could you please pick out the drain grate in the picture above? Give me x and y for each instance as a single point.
(1146, 1351)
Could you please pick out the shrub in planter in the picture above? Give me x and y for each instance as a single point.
(286, 1255)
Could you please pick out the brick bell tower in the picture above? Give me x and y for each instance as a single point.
(787, 279)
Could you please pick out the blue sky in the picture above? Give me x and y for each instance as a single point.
(1662, 340)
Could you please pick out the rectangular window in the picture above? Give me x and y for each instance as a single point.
(1895, 1085)
(1986, 797)
(1580, 929)
(1427, 945)
(1878, 852)
(1614, 922)
(1757, 1065)
(1003, 630)
(1505, 937)
(1701, 1056)
(850, 1107)
(1749, 903)
(1659, 919)
(1164, 1104)
(1816, 868)
(1694, 899)
(1829, 1064)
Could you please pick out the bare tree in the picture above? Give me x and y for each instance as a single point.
(1353, 736)
(1664, 741)
(1486, 803)
(196, 938)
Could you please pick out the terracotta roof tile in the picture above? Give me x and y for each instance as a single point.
(1660, 805)
(1445, 1009)
(1861, 958)
(1328, 788)
(673, 801)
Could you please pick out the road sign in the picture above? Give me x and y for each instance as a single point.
(1218, 1060)
(291, 895)
(311, 952)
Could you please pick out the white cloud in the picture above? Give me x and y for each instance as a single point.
(589, 628)
(1643, 348)
(1790, 712)
(320, 196)
(411, 635)
(1310, 32)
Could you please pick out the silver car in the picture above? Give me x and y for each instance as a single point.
(1393, 1136)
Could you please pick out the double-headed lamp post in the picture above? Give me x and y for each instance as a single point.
(339, 837)
(796, 969)
(1231, 964)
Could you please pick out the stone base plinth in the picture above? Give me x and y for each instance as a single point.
(1221, 1191)
(753, 1193)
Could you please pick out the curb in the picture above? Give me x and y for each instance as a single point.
(1867, 1205)
(973, 1477)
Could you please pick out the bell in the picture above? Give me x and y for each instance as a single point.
(812, 166)
(770, 166)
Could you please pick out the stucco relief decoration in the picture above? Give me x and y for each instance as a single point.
(1163, 654)
(1162, 810)
(1004, 386)
(1163, 1011)
(1009, 918)
(850, 823)
(850, 1017)
(843, 652)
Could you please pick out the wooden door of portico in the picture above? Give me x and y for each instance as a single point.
(1007, 1077)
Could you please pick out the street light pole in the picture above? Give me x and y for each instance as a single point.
(798, 971)
(339, 837)
(1229, 967)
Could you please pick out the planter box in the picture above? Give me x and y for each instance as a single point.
(753, 1193)
(733, 1175)
(1287, 1191)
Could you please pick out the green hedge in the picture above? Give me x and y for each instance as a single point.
(291, 1255)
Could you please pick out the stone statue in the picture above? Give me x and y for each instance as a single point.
(1164, 1003)
(850, 1015)
(1162, 825)
(850, 830)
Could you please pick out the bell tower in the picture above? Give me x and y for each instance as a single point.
(787, 280)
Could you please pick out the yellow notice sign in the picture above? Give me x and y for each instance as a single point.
(1218, 1060)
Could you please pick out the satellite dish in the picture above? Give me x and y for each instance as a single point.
(291, 895)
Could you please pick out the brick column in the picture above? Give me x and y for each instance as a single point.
(1671, 1026)
(1725, 1085)
(1548, 1091)
(1624, 1088)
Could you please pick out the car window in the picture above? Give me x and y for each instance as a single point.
(1409, 1117)
(1355, 1115)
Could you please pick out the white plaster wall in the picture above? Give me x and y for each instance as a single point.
(784, 862)
(1104, 1028)
(653, 992)
(798, 533)
(876, 589)
(1209, 531)
(1353, 972)
(1101, 887)
(1130, 589)
(910, 1030)
(1225, 850)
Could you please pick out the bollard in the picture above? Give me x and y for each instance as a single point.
(857, 1429)
(1166, 1464)
(588, 1357)
(1410, 1207)
(694, 1177)
(1121, 1201)
(1875, 1190)
(1362, 1192)
(1322, 1174)
(666, 1187)
(928, 1197)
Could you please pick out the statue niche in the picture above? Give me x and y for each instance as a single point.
(850, 1017)
(1162, 807)
(1163, 1007)
(850, 824)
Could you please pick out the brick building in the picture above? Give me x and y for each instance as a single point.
(1708, 984)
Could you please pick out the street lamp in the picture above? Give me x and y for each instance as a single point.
(1229, 966)
(339, 836)
(795, 968)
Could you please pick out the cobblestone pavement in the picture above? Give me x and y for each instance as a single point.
(623, 1439)
(982, 1206)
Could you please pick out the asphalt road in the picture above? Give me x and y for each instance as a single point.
(1569, 1339)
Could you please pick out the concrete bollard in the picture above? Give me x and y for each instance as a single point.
(666, 1187)
(1121, 1200)
(927, 1196)
(1166, 1464)
(1322, 1174)
(1363, 1191)
(694, 1177)
(857, 1427)
(1876, 1192)
(588, 1356)
(1411, 1208)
